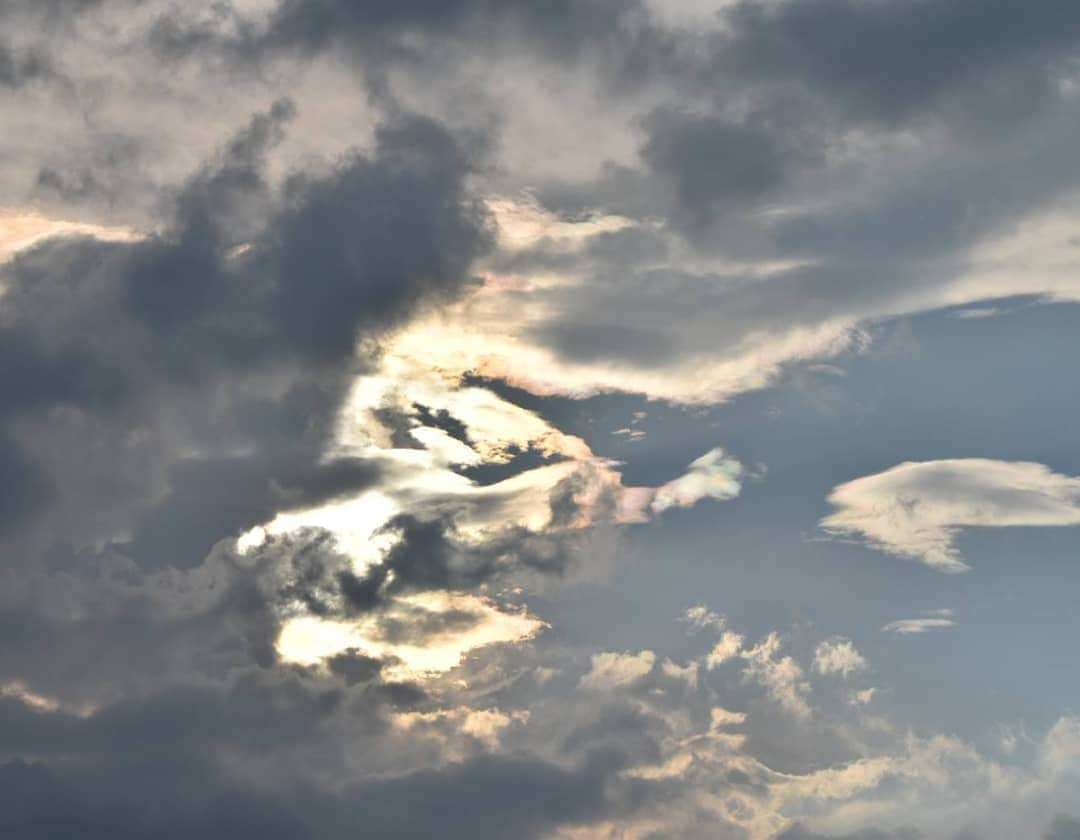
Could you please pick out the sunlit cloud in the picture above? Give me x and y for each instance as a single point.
(916, 510)
(20, 230)
(309, 640)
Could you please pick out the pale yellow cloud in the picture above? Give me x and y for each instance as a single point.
(613, 670)
(838, 656)
(20, 230)
(308, 640)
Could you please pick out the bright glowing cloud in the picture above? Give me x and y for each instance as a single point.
(712, 476)
(308, 640)
(24, 230)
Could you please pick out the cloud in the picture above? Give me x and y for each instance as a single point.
(1063, 827)
(865, 67)
(282, 555)
(614, 670)
(420, 635)
(712, 164)
(123, 334)
(838, 656)
(781, 676)
(699, 618)
(23, 230)
(729, 646)
(911, 626)
(712, 476)
(916, 510)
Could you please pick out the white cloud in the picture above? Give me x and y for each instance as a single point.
(780, 676)
(495, 330)
(838, 656)
(912, 626)
(916, 510)
(712, 476)
(699, 618)
(689, 673)
(729, 646)
(425, 480)
(864, 697)
(616, 670)
(308, 640)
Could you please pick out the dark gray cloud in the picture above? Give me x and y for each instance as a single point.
(531, 797)
(19, 66)
(591, 341)
(713, 164)
(799, 833)
(37, 804)
(1063, 827)
(384, 31)
(492, 797)
(250, 303)
(177, 774)
(967, 51)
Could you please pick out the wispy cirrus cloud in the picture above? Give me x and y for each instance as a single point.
(915, 626)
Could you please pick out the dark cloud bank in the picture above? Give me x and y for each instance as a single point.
(133, 374)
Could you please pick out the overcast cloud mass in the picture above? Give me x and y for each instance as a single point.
(579, 420)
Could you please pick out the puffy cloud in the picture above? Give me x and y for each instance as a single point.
(780, 676)
(916, 510)
(700, 618)
(728, 647)
(615, 670)
(838, 656)
(712, 476)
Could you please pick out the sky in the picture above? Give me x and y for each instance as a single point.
(572, 420)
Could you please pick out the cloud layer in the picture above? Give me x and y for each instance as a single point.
(315, 318)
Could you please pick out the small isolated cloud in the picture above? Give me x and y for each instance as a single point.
(864, 697)
(616, 670)
(715, 475)
(915, 510)
(838, 656)
(700, 618)
(912, 626)
(712, 476)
